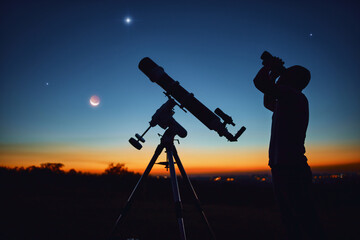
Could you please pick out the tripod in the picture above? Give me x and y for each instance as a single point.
(167, 142)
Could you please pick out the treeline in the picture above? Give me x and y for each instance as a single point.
(117, 169)
(52, 179)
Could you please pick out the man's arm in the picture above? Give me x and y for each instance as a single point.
(269, 102)
(265, 82)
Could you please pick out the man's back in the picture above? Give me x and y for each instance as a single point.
(288, 131)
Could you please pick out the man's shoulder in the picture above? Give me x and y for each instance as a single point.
(291, 93)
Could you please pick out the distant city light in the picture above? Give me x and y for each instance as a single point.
(217, 179)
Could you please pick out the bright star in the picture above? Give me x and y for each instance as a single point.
(128, 20)
(310, 34)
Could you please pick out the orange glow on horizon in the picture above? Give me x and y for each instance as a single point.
(195, 161)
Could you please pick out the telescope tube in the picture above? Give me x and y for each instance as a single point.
(157, 74)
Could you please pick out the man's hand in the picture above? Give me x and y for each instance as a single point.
(265, 82)
(262, 79)
(275, 65)
(273, 76)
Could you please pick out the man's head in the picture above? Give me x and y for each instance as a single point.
(296, 76)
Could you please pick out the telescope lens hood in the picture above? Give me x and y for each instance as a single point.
(151, 69)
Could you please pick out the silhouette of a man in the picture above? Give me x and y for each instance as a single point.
(291, 174)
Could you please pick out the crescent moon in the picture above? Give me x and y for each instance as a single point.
(94, 101)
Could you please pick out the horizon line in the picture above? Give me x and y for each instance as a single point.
(332, 168)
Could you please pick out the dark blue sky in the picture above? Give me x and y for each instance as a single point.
(82, 48)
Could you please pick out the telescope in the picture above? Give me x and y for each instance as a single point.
(163, 117)
(185, 100)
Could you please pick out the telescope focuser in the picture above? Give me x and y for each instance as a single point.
(228, 120)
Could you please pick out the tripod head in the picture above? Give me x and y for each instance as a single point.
(163, 117)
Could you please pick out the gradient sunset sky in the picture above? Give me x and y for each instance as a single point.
(55, 55)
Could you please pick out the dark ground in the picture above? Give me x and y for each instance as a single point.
(64, 206)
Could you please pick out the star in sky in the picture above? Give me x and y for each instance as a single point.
(127, 20)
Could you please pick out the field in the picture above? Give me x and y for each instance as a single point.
(78, 206)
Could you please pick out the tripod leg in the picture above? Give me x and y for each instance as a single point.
(190, 186)
(130, 200)
(176, 194)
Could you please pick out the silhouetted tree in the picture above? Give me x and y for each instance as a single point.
(118, 169)
(53, 167)
(72, 172)
(32, 168)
